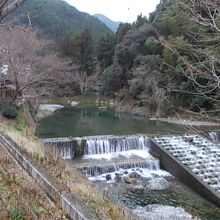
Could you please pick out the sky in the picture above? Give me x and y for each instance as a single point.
(116, 10)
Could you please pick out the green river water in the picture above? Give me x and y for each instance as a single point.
(77, 122)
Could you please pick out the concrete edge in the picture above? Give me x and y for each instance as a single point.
(57, 191)
(176, 168)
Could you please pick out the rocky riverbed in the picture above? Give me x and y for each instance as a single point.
(156, 195)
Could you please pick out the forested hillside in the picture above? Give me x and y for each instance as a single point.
(113, 25)
(169, 62)
(56, 18)
(157, 66)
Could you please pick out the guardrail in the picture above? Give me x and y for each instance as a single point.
(57, 191)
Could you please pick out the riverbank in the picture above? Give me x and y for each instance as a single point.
(20, 196)
(187, 122)
(95, 200)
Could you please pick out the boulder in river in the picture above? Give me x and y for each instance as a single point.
(118, 177)
(130, 180)
(134, 175)
(138, 188)
(158, 184)
(108, 177)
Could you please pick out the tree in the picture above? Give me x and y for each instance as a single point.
(191, 52)
(84, 57)
(7, 7)
(30, 67)
(122, 30)
(105, 50)
(112, 80)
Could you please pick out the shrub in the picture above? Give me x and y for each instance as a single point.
(10, 112)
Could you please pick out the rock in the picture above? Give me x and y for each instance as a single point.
(130, 180)
(108, 177)
(134, 175)
(125, 172)
(154, 175)
(118, 177)
(158, 184)
(49, 107)
(137, 188)
(73, 103)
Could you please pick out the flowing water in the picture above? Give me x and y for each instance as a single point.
(108, 160)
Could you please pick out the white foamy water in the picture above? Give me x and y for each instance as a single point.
(198, 154)
(127, 154)
(160, 212)
(143, 172)
(113, 144)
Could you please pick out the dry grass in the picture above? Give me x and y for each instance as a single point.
(20, 197)
(98, 202)
(104, 207)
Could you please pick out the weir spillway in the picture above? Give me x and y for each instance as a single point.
(96, 155)
(193, 158)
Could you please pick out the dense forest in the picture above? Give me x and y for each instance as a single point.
(156, 66)
(57, 18)
(166, 63)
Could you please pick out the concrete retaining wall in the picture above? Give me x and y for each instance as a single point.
(57, 191)
(57, 145)
(172, 165)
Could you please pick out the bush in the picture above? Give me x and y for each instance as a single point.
(10, 112)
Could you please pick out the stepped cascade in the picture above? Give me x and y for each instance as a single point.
(198, 154)
(104, 154)
(109, 154)
(92, 171)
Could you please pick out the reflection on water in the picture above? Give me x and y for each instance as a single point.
(92, 121)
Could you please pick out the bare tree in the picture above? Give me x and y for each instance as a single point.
(205, 12)
(205, 65)
(30, 66)
(7, 7)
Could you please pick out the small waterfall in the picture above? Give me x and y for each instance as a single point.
(151, 164)
(110, 144)
(62, 147)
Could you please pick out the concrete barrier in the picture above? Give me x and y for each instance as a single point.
(74, 208)
(176, 168)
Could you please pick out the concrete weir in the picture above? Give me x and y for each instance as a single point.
(67, 148)
(194, 159)
(57, 191)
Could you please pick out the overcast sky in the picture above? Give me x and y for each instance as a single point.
(117, 10)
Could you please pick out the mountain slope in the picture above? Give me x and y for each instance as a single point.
(113, 25)
(56, 18)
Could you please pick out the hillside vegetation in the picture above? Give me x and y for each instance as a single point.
(56, 18)
(113, 25)
(157, 66)
(170, 61)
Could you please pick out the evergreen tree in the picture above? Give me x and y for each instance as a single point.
(105, 50)
(83, 55)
